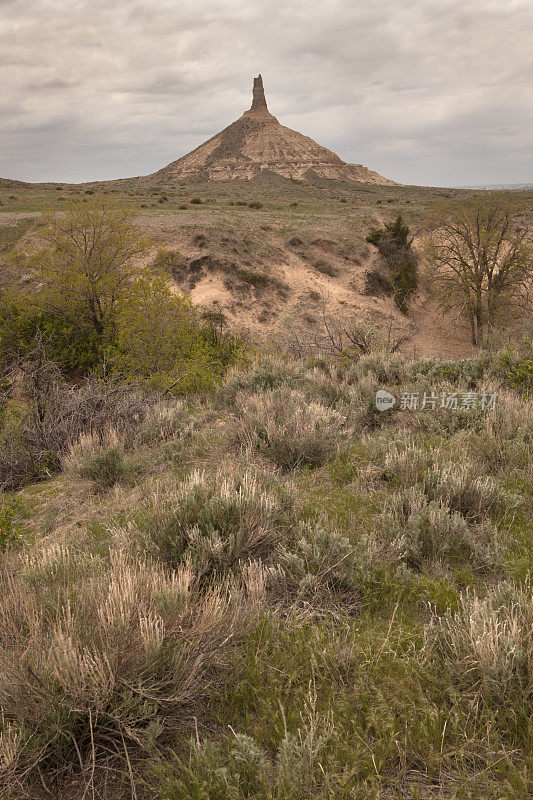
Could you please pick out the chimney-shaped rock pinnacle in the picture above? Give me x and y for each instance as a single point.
(258, 101)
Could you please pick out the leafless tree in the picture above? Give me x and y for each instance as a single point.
(480, 261)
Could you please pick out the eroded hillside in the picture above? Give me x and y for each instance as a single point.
(280, 263)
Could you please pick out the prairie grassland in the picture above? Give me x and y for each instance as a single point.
(274, 590)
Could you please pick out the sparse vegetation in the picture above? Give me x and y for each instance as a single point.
(266, 587)
(325, 268)
(256, 279)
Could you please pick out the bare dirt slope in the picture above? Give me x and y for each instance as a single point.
(277, 284)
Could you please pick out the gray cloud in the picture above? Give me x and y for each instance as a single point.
(431, 91)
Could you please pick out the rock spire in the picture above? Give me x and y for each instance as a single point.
(258, 102)
(257, 144)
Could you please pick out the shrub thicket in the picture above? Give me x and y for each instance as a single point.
(38, 431)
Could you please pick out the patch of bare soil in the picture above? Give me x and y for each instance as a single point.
(277, 285)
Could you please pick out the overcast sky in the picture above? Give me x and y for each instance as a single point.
(435, 92)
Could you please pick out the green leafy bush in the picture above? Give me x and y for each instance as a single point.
(514, 370)
(160, 339)
(74, 347)
(511, 368)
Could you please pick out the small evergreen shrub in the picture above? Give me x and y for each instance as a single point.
(460, 488)
(257, 279)
(325, 268)
(105, 469)
(11, 530)
(428, 530)
(395, 246)
(322, 566)
(293, 771)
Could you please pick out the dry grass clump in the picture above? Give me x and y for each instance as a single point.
(400, 459)
(287, 429)
(325, 388)
(164, 422)
(428, 530)
(100, 659)
(382, 366)
(402, 463)
(218, 522)
(264, 374)
(487, 645)
(504, 443)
